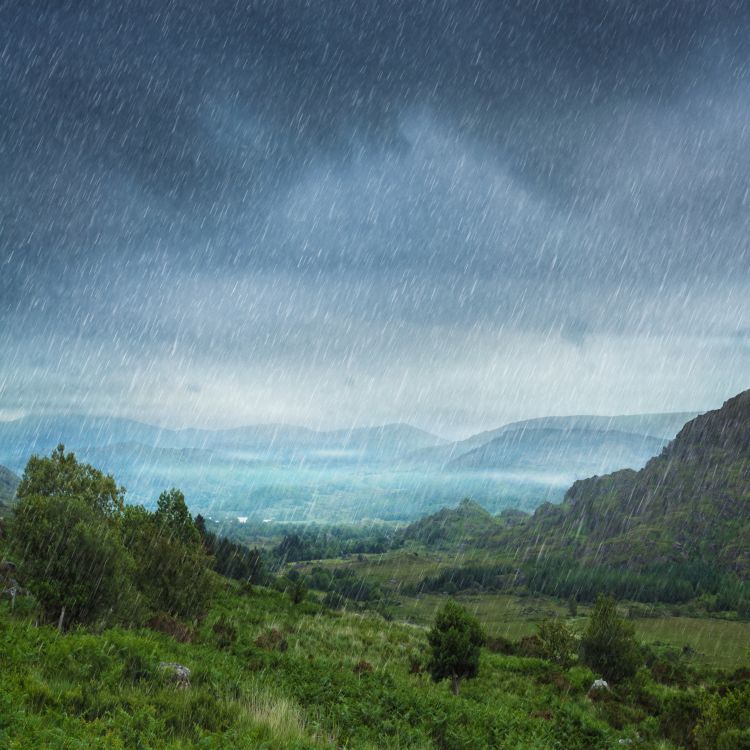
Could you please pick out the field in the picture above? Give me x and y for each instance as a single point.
(715, 642)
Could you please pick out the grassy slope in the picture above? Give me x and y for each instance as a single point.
(102, 691)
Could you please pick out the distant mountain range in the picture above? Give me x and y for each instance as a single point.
(565, 448)
(390, 469)
(20, 438)
(572, 444)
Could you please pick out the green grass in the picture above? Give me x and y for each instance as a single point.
(720, 643)
(103, 690)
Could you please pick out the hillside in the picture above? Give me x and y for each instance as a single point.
(8, 485)
(690, 502)
(469, 522)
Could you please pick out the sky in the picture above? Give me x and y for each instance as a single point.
(453, 214)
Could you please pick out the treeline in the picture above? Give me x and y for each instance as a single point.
(231, 559)
(462, 578)
(321, 544)
(670, 583)
(342, 584)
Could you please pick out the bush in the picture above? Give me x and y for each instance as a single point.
(500, 645)
(557, 642)
(225, 632)
(168, 625)
(272, 640)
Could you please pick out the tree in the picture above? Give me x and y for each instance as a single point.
(298, 591)
(455, 641)
(230, 559)
(173, 517)
(62, 475)
(608, 645)
(172, 568)
(558, 642)
(72, 558)
(66, 533)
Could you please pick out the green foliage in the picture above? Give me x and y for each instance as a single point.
(231, 559)
(8, 485)
(174, 520)
(300, 544)
(343, 584)
(557, 641)
(83, 554)
(654, 582)
(72, 557)
(496, 577)
(298, 590)
(468, 522)
(62, 475)
(725, 721)
(455, 643)
(303, 678)
(225, 632)
(171, 566)
(608, 644)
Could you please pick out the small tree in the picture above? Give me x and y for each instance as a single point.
(557, 641)
(174, 519)
(608, 645)
(172, 567)
(298, 591)
(455, 641)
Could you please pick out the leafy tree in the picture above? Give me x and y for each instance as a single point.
(72, 557)
(558, 642)
(62, 475)
(608, 645)
(173, 517)
(66, 533)
(455, 641)
(172, 567)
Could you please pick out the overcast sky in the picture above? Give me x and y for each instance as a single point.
(454, 214)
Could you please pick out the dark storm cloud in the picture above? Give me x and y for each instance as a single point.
(313, 183)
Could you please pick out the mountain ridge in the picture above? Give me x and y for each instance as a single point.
(692, 501)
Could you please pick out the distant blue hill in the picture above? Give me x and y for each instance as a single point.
(22, 437)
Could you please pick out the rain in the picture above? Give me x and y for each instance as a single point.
(363, 324)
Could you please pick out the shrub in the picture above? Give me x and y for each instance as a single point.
(500, 645)
(557, 642)
(225, 632)
(455, 642)
(168, 625)
(272, 640)
(608, 645)
(362, 667)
